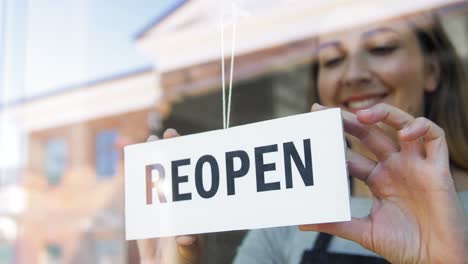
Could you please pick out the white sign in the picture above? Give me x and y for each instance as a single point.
(287, 171)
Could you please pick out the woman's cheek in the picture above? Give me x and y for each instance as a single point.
(393, 69)
(403, 80)
(326, 91)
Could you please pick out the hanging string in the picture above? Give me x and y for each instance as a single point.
(232, 72)
(227, 112)
(222, 74)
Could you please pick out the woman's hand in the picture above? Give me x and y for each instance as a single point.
(416, 216)
(170, 250)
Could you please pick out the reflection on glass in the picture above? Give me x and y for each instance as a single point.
(112, 75)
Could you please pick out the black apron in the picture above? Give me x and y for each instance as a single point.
(319, 254)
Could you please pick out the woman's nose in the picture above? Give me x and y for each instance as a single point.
(356, 71)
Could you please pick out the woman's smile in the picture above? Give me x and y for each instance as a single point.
(363, 101)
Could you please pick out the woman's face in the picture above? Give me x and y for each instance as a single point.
(373, 64)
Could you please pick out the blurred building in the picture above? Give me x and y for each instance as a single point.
(73, 180)
(73, 183)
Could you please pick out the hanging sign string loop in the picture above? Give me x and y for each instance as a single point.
(227, 111)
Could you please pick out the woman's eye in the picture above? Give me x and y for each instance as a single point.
(332, 62)
(382, 50)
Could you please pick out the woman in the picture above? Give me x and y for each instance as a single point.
(383, 76)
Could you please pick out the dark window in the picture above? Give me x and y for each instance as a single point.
(106, 153)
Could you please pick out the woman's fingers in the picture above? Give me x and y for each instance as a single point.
(152, 138)
(318, 107)
(186, 240)
(357, 230)
(395, 118)
(433, 136)
(170, 133)
(372, 137)
(189, 248)
(359, 166)
(387, 114)
(147, 250)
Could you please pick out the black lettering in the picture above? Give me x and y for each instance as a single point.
(305, 169)
(177, 179)
(214, 176)
(231, 174)
(261, 168)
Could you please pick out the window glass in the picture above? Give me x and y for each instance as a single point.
(55, 159)
(81, 80)
(106, 153)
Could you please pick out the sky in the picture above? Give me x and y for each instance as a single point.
(53, 44)
(49, 45)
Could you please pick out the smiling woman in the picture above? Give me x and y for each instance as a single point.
(401, 86)
(403, 93)
(410, 64)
